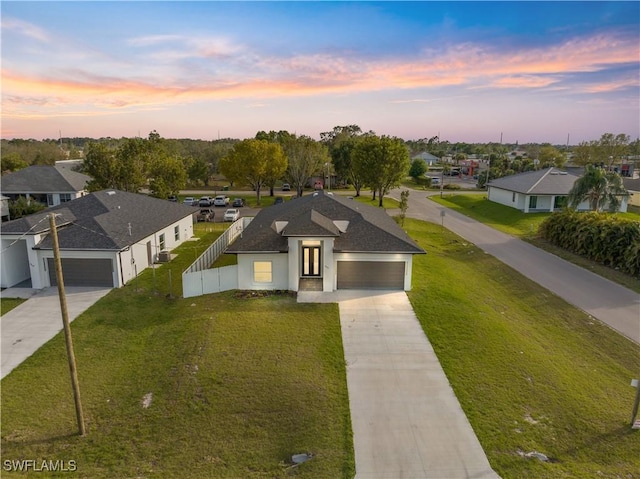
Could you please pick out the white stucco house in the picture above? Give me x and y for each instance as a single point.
(324, 242)
(427, 157)
(49, 185)
(537, 191)
(106, 238)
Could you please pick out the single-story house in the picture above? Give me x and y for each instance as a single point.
(324, 242)
(632, 185)
(50, 185)
(535, 191)
(106, 238)
(427, 157)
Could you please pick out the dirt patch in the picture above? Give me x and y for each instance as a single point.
(264, 293)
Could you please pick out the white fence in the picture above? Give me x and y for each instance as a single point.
(200, 278)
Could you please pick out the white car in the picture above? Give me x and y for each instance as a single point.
(221, 200)
(231, 214)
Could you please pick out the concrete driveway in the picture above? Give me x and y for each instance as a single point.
(26, 328)
(605, 300)
(407, 422)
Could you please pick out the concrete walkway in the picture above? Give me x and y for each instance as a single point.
(407, 422)
(26, 328)
(605, 300)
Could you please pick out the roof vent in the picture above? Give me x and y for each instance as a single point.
(315, 194)
(563, 172)
(554, 173)
(330, 193)
(111, 193)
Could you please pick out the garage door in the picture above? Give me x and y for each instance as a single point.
(371, 275)
(82, 272)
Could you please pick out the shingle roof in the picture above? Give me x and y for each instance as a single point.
(369, 229)
(551, 181)
(104, 220)
(44, 179)
(631, 184)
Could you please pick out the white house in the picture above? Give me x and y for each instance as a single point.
(49, 185)
(106, 238)
(427, 157)
(535, 191)
(324, 242)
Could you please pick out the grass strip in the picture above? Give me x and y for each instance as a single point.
(531, 372)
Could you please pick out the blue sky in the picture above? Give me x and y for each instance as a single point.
(468, 71)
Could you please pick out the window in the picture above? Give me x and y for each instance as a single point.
(513, 196)
(162, 242)
(64, 197)
(176, 233)
(50, 200)
(262, 272)
(533, 202)
(560, 202)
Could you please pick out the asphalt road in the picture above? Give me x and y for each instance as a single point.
(605, 300)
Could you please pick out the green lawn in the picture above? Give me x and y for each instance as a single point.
(238, 385)
(531, 372)
(525, 226)
(7, 304)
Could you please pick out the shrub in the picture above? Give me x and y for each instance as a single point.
(602, 237)
(451, 186)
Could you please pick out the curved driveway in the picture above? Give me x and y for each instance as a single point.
(605, 300)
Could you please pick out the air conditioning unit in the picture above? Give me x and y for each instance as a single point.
(164, 256)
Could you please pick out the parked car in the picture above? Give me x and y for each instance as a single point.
(190, 201)
(286, 187)
(238, 202)
(205, 214)
(231, 214)
(221, 200)
(204, 201)
(279, 200)
(173, 198)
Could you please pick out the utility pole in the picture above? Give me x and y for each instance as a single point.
(67, 327)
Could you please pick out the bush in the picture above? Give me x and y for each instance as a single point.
(451, 186)
(601, 237)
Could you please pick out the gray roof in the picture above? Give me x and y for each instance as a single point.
(104, 220)
(425, 155)
(369, 229)
(550, 181)
(44, 179)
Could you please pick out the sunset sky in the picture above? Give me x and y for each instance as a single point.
(468, 71)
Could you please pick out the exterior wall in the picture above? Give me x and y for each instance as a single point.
(407, 258)
(14, 267)
(504, 197)
(634, 199)
(295, 262)
(279, 271)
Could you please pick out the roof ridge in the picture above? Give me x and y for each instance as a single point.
(544, 175)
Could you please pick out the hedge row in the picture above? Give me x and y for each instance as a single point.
(602, 237)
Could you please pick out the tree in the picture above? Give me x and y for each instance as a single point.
(404, 205)
(381, 161)
(101, 165)
(550, 156)
(305, 157)
(417, 170)
(253, 162)
(13, 162)
(599, 187)
(198, 170)
(168, 176)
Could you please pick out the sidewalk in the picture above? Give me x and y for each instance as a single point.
(406, 420)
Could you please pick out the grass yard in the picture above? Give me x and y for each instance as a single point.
(235, 386)
(525, 226)
(7, 304)
(531, 372)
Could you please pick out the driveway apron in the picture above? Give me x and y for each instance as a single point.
(27, 327)
(407, 422)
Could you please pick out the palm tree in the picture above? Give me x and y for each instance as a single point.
(599, 187)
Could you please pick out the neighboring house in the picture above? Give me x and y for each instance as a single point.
(427, 157)
(324, 242)
(633, 187)
(535, 191)
(4, 208)
(106, 238)
(50, 185)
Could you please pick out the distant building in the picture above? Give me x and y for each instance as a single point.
(49, 185)
(427, 157)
